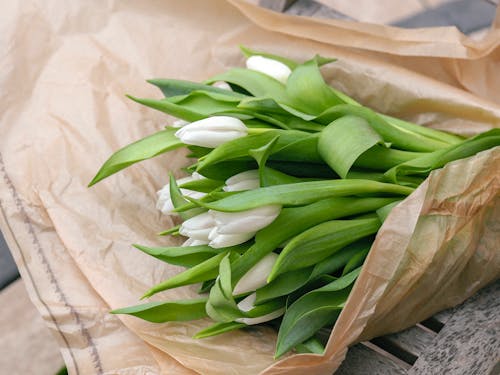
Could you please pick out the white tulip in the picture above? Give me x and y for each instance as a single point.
(222, 85)
(270, 67)
(165, 204)
(179, 123)
(248, 304)
(257, 276)
(247, 180)
(193, 242)
(218, 240)
(198, 227)
(212, 131)
(245, 221)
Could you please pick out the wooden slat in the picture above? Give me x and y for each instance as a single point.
(361, 359)
(469, 342)
(26, 345)
(407, 345)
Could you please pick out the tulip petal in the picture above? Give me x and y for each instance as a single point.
(247, 180)
(245, 221)
(218, 241)
(272, 68)
(256, 277)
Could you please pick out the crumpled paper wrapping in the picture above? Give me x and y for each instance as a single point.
(65, 68)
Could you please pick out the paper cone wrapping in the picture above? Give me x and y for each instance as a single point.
(66, 66)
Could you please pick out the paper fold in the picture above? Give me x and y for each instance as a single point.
(66, 69)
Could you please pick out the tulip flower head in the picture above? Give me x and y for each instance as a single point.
(247, 180)
(198, 227)
(212, 131)
(257, 276)
(245, 221)
(270, 67)
(179, 123)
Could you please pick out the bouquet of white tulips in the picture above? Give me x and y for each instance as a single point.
(291, 181)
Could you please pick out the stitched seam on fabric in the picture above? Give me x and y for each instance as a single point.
(48, 270)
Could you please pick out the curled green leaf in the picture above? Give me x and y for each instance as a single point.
(313, 311)
(218, 328)
(321, 241)
(168, 311)
(146, 148)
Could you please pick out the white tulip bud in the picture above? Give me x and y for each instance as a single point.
(245, 221)
(179, 123)
(165, 204)
(218, 240)
(257, 276)
(198, 227)
(212, 131)
(222, 85)
(247, 304)
(270, 67)
(247, 180)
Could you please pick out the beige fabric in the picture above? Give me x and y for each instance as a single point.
(65, 68)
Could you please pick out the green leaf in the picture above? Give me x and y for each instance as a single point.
(205, 185)
(423, 165)
(344, 140)
(355, 262)
(293, 221)
(174, 231)
(400, 137)
(339, 259)
(383, 212)
(312, 345)
(218, 328)
(165, 106)
(146, 148)
(206, 103)
(283, 285)
(178, 200)
(221, 305)
(291, 145)
(382, 158)
(303, 148)
(301, 193)
(270, 177)
(262, 153)
(424, 131)
(306, 170)
(206, 286)
(188, 256)
(307, 91)
(169, 311)
(320, 242)
(175, 87)
(256, 83)
(203, 271)
(224, 169)
(313, 311)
